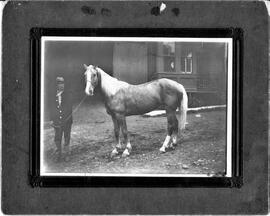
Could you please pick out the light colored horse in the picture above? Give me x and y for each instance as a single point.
(123, 99)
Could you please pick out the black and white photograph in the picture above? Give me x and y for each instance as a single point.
(136, 106)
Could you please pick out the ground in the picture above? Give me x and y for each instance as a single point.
(201, 147)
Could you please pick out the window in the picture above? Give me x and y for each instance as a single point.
(169, 56)
(175, 57)
(186, 63)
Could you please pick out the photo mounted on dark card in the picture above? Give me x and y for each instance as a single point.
(136, 107)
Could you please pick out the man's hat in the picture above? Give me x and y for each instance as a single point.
(60, 80)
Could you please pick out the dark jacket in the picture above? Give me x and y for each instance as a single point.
(62, 114)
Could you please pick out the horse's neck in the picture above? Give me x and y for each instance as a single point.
(110, 85)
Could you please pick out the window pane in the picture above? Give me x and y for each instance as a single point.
(186, 62)
(189, 65)
(183, 64)
(169, 48)
(169, 64)
(169, 56)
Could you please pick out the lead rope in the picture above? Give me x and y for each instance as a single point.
(77, 107)
(73, 111)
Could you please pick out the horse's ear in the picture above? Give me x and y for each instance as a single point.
(85, 66)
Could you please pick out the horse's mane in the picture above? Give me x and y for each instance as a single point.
(108, 84)
(102, 72)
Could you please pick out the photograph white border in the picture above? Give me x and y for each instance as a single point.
(229, 41)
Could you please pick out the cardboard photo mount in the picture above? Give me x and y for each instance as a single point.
(18, 20)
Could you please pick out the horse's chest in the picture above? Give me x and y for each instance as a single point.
(115, 105)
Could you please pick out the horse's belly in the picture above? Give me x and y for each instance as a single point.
(142, 103)
(140, 110)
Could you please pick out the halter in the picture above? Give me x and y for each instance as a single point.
(94, 68)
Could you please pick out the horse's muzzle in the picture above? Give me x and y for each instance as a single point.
(89, 92)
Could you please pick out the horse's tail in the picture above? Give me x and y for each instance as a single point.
(182, 114)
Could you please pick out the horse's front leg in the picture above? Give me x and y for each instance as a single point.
(117, 136)
(123, 125)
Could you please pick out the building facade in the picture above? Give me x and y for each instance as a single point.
(200, 67)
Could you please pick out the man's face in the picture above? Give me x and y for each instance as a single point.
(60, 86)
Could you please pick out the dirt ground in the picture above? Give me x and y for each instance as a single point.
(201, 147)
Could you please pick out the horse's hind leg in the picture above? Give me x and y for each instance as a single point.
(172, 129)
(174, 132)
(117, 137)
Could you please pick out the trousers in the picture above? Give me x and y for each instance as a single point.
(59, 132)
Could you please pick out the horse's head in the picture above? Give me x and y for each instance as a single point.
(91, 79)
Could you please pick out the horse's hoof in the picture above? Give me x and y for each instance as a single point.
(162, 150)
(125, 153)
(114, 153)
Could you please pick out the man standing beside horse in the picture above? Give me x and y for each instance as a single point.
(61, 117)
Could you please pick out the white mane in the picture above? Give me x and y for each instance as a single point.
(110, 85)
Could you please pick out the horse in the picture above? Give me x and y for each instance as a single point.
(123, 99)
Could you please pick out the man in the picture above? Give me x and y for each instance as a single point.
(61, 116)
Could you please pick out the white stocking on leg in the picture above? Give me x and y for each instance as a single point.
(127, 150)
(129, 146)
(165, 144)
(114, 152)
(174, 141)
(119, 145)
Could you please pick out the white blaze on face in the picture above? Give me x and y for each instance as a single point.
(89, 90)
